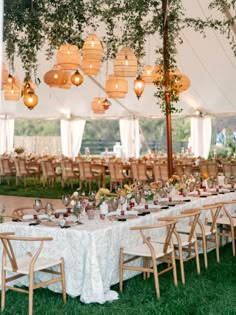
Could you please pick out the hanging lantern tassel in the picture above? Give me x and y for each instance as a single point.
(30, 99)
(106, 104)
(139, 86)
(77, 78)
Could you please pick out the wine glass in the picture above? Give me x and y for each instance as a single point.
(121, 201)
(137, 198)
(114, 203)
(65, 200)
(49, 208)
(78, 209)
(37, 207)
(145, 194)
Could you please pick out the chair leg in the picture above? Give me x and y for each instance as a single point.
(204, 247)
(233, 240)
(155, 273)
(217, 248)
(197, 257)
(3, 290)
(181, 263)
(121, 269)
(31, 292)
(63, 281)
(174, 268)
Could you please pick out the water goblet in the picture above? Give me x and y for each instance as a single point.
(137, 198)
(114, 203)
(49, 209)
(121, 201)
(146, 194)
(37, 207)
(78, 209)
(65, 200)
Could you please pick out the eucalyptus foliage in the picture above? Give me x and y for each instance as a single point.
(31, 25)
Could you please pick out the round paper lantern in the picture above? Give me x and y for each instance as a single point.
(125, 64)
(4, 76)
(77, 78)
(92, 48)
(30, 100)
(90, 67)
(68, 57)
(181, 82)
(96, 105)
(139, 86)
(116, 87)
(147, 74)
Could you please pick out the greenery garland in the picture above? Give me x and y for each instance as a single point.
(30, 25)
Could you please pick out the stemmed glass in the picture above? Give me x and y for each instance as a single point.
(137, 198)
(78, 209)
(114, 203)
(37, 207)
(65, 200)
(146, 194)
(121, 201)
(49, 208)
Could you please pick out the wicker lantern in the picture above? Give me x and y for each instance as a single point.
(54, 76)
(147, 74)
(68, 57)
(65, 82)
(97, 106)
(12, 91)
(92, 48)
(116, 87)
(139, 86)
(4, 76)
(30, 100)
(181, 81)
(125, 64)
(90, 67)
(77, 78)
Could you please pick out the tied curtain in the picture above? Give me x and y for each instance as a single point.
(71, 137)
(6, 135)
(200, 140)
(130, 137)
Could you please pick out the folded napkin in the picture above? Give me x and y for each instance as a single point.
(61, 211)
(126, 212)
(145, 207)
(28, 217)
(33, 216)
(163, 199)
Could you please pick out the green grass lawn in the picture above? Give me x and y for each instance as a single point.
(210, 293)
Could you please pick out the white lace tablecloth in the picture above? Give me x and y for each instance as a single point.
(91, 250)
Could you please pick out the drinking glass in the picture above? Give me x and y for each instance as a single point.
(137, 198)
(146, 194)
(37, 207)
(49, 208)
(121, 201)
(78, 209)
(114, 203)
(65, 200)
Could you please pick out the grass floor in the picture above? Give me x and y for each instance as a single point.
(212, 292)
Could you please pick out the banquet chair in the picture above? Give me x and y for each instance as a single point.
(23, 172)
(87, 175)
(185, 242)
(164, 171)
(68, 173)
(27, 265)
(156, 172)
(183, 169)
(112, 174)
(49, 173)
(6, 170)
(120, 175)
(206, 230)
(21, 211)
(139, 172)
(150, 250)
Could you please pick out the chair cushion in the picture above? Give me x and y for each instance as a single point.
(23, 264)
(143, 250)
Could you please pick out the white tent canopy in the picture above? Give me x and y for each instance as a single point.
(209, 63)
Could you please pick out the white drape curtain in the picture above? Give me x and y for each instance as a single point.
(71, 136)
(130, 137)
(200, 140)
(7, 127)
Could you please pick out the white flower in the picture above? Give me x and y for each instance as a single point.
(73, 202)
(75, 194)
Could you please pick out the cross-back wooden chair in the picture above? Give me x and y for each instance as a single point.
(156, 172)
(49, 173)
(121, 177)
(27, 265)
(87, 175)
(206, 230)
(68, 174)
(112, 174)
(227, 171)
(185, 241)
(152, 251)
(6, 170)
(23, 172)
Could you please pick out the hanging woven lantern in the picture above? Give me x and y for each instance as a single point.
(65, 82)
(54, 76)
(30, 100)
(90, 68)
(96, 105)
(158, 74)
(139, 86)
(181, 82)
(12, 91)
(106, 104)
(116, 87)
(147, 74)
(77, 78)
(68, 57)
(4, 76)
(92, 48)
(125, 64)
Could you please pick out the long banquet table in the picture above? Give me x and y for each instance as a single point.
(91, 250)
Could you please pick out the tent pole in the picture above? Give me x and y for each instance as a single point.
(166, 59)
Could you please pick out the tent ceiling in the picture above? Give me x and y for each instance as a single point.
(209, 63)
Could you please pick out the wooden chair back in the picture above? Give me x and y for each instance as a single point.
(111, 168)
(227, 171)
(164, 171)
(211, 211)
(156, 172)
(134, 171)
